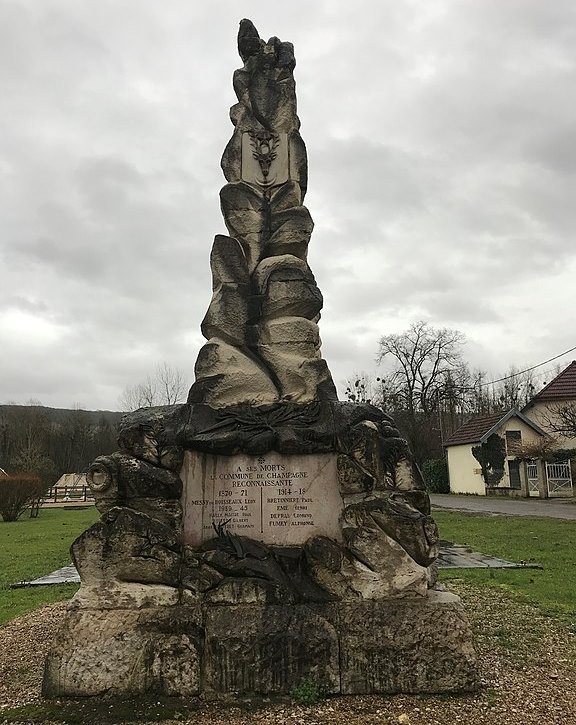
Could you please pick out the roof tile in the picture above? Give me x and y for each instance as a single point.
(563, 387)
(473, 430)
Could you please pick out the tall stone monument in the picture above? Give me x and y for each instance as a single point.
(263, 534)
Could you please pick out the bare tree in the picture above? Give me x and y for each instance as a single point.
(171, 384)
(361, 388)
(427, 363)
(561, 419)
(165, 387)
(427, 374)
(515, 391)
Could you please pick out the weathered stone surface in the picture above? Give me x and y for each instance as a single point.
(287, 288)
(248, 590)
(393, 514)
(381, 568)
(269, 649)
(127, 546)
(371, 566)
(110, 593)
(228, 313)
(151, 434)
(290, 232)
(226, 375)
(265, 163)
(291, 297)
(245, 213)
(352, 477)
(290, 346)
(422, 645)
(122, 480)
(228, 262)
(126, 652)
(318, 426)
(408, 645)
(291, 330)
(196, 575)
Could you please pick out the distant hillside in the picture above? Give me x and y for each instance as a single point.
(61, 415)
(54, 441)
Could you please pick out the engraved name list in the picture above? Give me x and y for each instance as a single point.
(281, 499)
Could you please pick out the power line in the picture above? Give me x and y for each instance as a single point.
(521, 372)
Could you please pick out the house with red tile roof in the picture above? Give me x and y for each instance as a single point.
(487, 454)
(482, 454)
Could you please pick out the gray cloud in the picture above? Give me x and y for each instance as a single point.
(442, 163)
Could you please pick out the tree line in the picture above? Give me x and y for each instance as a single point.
(47, 442)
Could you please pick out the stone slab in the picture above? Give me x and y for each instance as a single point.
(275, 498)
(65, 575)
(270, 649)
(460, 557)
(412, 646)
(126, 652)
(417, 644)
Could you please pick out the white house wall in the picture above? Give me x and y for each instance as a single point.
(464, 471)
(543, 414)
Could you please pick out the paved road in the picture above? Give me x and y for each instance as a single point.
(552, 508)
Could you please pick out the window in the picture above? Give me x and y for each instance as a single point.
(513, 441)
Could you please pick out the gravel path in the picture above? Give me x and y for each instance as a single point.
(527, 662)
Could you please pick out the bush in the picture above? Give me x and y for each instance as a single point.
(307, 693)
(435, 472)
(17, 492)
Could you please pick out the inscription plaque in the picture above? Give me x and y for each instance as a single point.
(274, 498)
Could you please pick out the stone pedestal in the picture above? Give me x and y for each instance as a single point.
(410, 645)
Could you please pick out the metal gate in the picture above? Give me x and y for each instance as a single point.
(559, 477)
(532, 476)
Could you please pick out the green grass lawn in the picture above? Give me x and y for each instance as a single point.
(546, 541)
(30, 548)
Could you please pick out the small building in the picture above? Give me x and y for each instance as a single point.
(483, 454)
(71, 481)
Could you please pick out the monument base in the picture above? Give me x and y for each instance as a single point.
(412, 645)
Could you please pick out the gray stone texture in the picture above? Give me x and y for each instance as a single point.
(267, 311)
(152, 435)
(126, 652)
(226, 374)
(120, 555)
(269, 649)
(411, 645)
(422, 645)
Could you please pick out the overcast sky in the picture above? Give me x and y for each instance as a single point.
(441, 143)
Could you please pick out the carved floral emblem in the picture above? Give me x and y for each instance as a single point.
(264, 145)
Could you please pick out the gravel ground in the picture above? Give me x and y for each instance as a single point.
(527, 663)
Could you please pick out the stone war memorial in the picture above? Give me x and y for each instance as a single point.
(264, 534)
